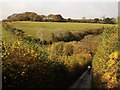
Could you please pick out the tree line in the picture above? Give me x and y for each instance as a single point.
(32, 16)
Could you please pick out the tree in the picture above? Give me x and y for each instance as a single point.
(108, 21)
(69, 19)
(96, 20)
(58, 18)
(26, 16)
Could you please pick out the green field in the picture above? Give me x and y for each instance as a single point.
(7, 35)
(44, 29)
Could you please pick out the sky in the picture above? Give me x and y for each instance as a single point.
(67, 8)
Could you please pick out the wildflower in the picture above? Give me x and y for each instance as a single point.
(114, 55)
(2, 56)
(114, 78)
(113, 82)
(101, 59)
(23, 65)
(18, 42)
(29, 35)
(22, 73)
(4, 77)
(110, 62)
(106, 76)
(32, 51)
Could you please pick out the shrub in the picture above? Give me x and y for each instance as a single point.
(57, 48)
(108, 21)
(28, 66)
(68, 49)
(62, 36)
(106, 61)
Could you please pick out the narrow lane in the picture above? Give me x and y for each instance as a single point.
(85, 81)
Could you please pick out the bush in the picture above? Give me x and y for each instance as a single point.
(62, 36)
(108, 21)
(68, 49)
(28, 66)
(76, 64)
(106, 61)
(57, 48)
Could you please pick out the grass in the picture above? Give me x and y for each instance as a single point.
(44, 29)
(8, 36)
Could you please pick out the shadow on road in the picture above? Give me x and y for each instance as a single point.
(85, 82)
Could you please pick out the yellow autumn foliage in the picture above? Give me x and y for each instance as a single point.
(106, 61)
(106, 76)
(113, 82)
(111, 62)
(114, 55)
(101, 59)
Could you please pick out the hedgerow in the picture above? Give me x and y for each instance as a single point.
(106, 62)
(28, 66)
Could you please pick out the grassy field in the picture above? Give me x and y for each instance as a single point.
(44, 29)
(8, 36)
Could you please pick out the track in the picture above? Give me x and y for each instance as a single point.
(85, 81)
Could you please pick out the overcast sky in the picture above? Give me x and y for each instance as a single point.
(67, 9)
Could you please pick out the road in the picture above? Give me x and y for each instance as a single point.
(85, 81)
